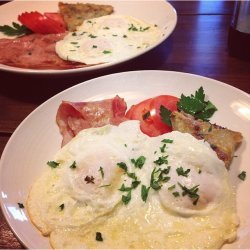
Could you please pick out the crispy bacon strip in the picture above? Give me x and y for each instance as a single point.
(34, 51)
(72, 117)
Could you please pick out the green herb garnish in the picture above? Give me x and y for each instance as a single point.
(98, 236)
(53, 164)
(181, 171)
(123, 166)
(139, 162)
(196, 105)
(162, 160)
(101, 171)
(242, 175)
(73, 165)
(20, 205)
(144, 192)
(126, 198)
(61, 206)
(165, 115)
(158, 177)
(16, 30)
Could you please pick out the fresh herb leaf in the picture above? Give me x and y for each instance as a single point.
(101, 171)
(165, 115)
(98, 236)
(171, 188)
(162, 160)
(191, 192)
(53, 164)
(126, 198)
(176, 194)
(123, 188)
(61, 206)
(158, 177)
(92, 36)
(107, 185)
(20, 205)
(242, 175)
(144, 192)
(181, 171)
(89, 179)
(16, 30)
(73, 165)
(123, 166)
(163, 148)
(139, 162)
(167, 141)
(196, 105)
(106, 52)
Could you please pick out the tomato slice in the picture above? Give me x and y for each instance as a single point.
(148, 113)
(49, 23)
(169, 102)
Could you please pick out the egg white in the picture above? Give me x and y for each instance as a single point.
(108, 39)
(162, 221)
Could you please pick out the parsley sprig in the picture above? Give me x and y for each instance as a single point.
(14, 30)
(196, 105)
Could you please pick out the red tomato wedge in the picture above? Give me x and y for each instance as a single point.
(47, 23)
(148, 113)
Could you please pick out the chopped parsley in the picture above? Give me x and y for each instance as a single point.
(98, 236)
(144, 192)
(92, 36)
(176, 194)
(89, 179)
(94, 46)
(196, 105)
(106, 52)
(158, 177)
(53, 164)
(167, 141)
(242, 175)
(20, 205)
(123, 166)
(61, 206)
(74, 42)
(73, 165)
(191, 192)
(101, 171)
(163, 148)
(171, 188)
(139, 162)
(14, 30)
(162, 160)
(165, 115)
(126, 198)
(181, 171)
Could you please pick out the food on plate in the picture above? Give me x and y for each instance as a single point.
(47, 23)
(222, 140)
(108, 39)
(34, 51)
(153, 114)
(97, 37)
(115, 187)
(75, 13)
(72, 117)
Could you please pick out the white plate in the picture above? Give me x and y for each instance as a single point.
(37, 139)
(157, 12)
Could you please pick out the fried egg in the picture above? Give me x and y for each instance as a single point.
(108, 39)
(115, 187)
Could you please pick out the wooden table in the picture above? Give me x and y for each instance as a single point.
(198, 45)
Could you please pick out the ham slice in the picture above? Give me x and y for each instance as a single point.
(72, 117)
(35, 51)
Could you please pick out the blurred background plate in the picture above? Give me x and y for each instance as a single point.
(158, 12)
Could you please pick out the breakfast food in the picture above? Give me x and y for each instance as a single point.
(222, 140)
(34, 51)
(84, 35)
(75, 14)
(105, 189)
(108, 39)
(72, 117)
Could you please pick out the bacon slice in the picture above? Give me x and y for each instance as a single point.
(35, 51)
(72, 117)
